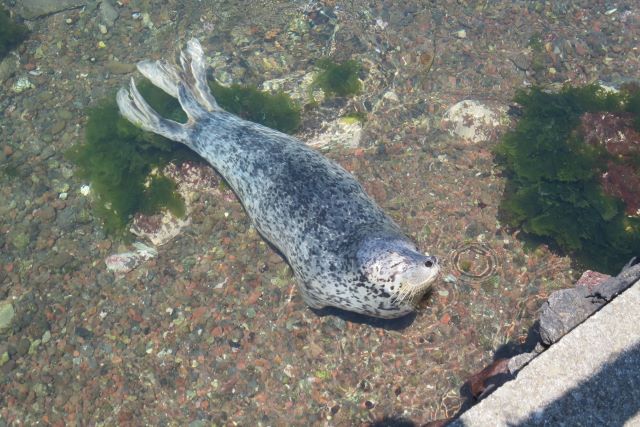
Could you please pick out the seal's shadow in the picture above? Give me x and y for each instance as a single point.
(397, 324)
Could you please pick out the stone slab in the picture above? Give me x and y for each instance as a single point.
(591, 377)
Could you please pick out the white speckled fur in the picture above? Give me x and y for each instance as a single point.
(344, 251)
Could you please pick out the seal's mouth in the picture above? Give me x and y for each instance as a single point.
(416, 281)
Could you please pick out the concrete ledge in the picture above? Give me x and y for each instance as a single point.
(591, 377)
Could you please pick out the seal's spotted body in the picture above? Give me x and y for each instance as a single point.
(345, 252)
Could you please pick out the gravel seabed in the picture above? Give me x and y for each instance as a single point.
(212, 331)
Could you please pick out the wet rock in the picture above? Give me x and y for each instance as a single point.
(31, 9)
(567, 308)
(591, 279)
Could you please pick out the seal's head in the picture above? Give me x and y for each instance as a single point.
(396, 275)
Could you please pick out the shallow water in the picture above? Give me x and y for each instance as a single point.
(212, 330)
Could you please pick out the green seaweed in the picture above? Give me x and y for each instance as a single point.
(553, 190)
(118, 159)
(340, 79)
(277, 110)
(160, 193)
(356, 116)
(11, 33)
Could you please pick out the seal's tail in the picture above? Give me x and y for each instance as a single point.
(187, 83)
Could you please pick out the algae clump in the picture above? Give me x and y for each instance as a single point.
(118, 159)
(340, 79)
(11, 32)
(555, 177)
(276, 111)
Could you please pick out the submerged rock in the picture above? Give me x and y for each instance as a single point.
(342, 132)
(192, 180)
(471, 120)
(31, 9)
(125, 262)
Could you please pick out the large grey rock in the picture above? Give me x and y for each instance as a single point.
(31, 9)
(567, 308)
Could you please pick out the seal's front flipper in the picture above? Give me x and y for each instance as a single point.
(135, 109)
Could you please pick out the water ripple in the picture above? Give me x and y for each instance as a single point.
(475, 262)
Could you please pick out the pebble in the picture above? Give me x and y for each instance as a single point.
(65, 115)
(19, 239)
(59, 260)
(83, 333)
(450, 278)
(23, 347)
(46, 213)
(7, 313)
(58, 126)
(22, 84)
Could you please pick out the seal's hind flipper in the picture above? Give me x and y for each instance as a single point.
(161, 74)
(193, 65)
(193, 74)
(135, 109)
(188, 83)
(190, 103)
(169, 79)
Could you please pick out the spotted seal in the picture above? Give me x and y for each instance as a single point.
(344, 251)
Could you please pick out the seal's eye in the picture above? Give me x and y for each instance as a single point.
(431, 261)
